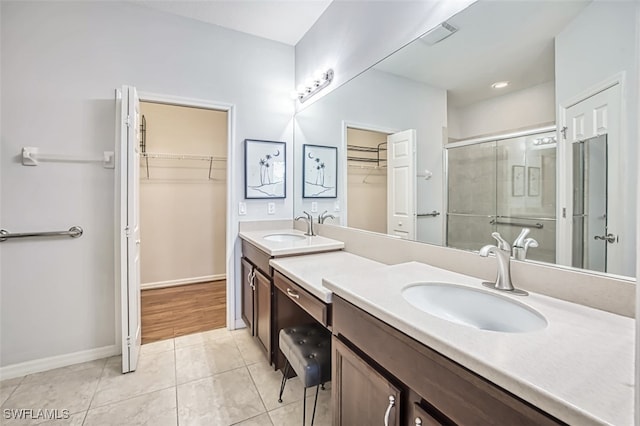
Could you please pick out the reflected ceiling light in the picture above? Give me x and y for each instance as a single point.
(438, 34)
(320, 80)
(500, 84)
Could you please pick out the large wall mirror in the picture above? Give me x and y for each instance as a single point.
(510, 115)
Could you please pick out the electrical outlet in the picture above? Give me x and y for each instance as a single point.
(336, 206)
(271, 208)
(242, 209)
(314, 207)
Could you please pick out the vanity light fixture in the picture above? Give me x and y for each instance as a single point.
(547, 140)
(313, 85)
(500, 84)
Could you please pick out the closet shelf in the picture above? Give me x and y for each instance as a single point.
(358, 153)
(168, 156)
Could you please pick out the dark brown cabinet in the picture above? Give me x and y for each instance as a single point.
(363, 396)
(248, 295)
(257, 295)
(372, 358)
(262, 311)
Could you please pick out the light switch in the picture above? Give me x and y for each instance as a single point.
(242, 209)
(271, 208)
(314, 207)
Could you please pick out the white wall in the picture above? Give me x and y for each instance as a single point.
(351, 36)
(530, 107)
(423, 108)
(599, 43)
(61, 62)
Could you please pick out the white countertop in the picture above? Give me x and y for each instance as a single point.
(578, 369)
(308, 271)
(286, 248)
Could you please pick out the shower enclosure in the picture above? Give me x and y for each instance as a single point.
(503, 183)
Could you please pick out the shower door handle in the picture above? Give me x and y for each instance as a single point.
(610, 238)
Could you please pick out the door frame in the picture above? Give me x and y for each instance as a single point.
(564, 207)
(231, 221)
(345, 164)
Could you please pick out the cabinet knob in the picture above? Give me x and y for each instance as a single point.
(418, 421)
(392, 402)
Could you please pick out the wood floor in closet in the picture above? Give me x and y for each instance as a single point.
(176, 311)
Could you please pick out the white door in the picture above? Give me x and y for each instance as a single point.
(129, 227)
(401, 184)
(588, 119)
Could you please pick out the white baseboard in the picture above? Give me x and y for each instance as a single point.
(239, 324)
(182, 281)
(44, 364)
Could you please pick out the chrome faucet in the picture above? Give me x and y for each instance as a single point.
(309, 219)
(521, 245)
(503, 256)
(324, 216)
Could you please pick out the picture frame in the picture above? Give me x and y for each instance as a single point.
(533, 181)
(320, 171)
(265, 169)
(517, 181)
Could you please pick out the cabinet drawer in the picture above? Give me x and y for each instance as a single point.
(314, 306)
(257, 257)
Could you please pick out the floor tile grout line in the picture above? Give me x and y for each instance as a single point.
(131, 397)
(210, 376)
(95, 391)
(257, 390)
(13, 391)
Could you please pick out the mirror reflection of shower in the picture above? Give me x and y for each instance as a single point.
(503, 183)
(590, 237)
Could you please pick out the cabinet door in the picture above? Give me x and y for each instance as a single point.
(262, 317)
(420, 417)
(361, 395)
(248, 291)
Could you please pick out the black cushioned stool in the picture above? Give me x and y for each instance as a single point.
(308, 352)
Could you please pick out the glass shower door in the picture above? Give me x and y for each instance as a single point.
(526, 191)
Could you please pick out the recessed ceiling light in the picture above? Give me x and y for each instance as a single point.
(500, 84)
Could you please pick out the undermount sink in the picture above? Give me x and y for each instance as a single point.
(473, 308)
(284, 237)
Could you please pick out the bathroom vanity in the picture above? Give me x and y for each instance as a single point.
(259, 300)
(398, 357)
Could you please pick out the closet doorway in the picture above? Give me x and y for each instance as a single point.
(183, 208)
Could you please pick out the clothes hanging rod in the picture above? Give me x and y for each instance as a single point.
(73, 232)
(363, 166)
(167, 156)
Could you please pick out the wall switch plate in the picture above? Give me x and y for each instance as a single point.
(242, 209)
(271, 208)
(336, 206)
(314, 207)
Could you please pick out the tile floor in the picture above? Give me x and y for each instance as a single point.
(214, 378)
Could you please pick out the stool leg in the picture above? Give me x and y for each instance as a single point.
(304, 407)
(322, 386)
(285, 373)
(315, 402)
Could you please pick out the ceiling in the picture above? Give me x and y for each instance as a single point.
(283, 21)
(495, 41)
